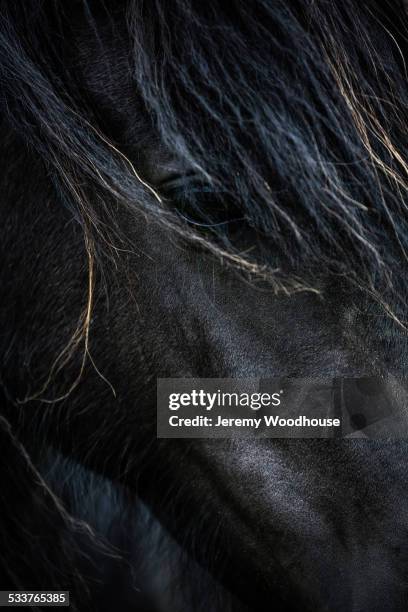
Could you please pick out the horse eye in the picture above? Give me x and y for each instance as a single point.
(203, 205)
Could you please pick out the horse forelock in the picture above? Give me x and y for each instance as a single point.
(292, 116)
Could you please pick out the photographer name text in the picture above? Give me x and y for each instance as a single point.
(255, 423)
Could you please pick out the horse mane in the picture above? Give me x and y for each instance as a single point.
(292, 115)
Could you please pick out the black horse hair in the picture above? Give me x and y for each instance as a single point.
(293, 112)
(288, 119)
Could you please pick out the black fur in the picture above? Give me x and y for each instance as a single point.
(270, 135)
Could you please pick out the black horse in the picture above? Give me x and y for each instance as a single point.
(200, 189)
